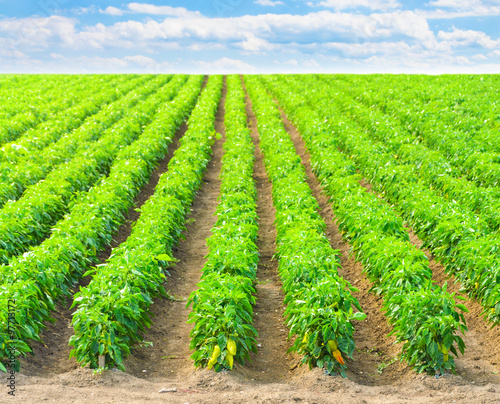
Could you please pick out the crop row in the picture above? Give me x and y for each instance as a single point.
(36, 93)
(113, 308)
(222, 304)
(88, 102)
(29, 220)
(472, 152)
(430, 165)
(25, 169)
(40, 278)
(42, 106)
(320, 306)
(469, 104)
(423, 315)
(460, 240)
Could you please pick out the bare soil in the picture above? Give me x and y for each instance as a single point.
(52, 355)
(169, 355)
(375, 360)
(481, 360)
(375, 375)
(271, 363)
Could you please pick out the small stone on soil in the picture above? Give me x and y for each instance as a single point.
(171, 390)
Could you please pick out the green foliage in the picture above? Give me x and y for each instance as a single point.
(452, 216)
(38, 108)
(42, 276)
(112, 311)
(222, 305)
(320, 306)
(421, 313)
(27, 221)
(62, 144)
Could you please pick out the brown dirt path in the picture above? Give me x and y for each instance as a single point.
(52, 356)
(271, 363)
(375, 359)
(169, 356)
(480, 363)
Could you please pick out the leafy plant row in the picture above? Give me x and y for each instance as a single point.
(40, 136)
(15, 101)
(38, 94)
(39, 106)
(41, 277)
(29, 220)
(222, 305)
(430, 165)
(424, 316)
(34, 87)
(320, 306)
(472, 152)
(460, 240)
(34, 83)
(113, 308)
(469, 104)
(30, 168)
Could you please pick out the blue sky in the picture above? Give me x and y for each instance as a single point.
(255, 36)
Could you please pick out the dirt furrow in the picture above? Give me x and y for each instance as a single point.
(375, 360)
(480, 363)
(482, 355)
(271, 363)
(52, 356)
(165, 353)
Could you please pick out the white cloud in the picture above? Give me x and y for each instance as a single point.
(337, 40)
(96, 62)
(254, 44)
(140, 60)
(366, 49)
(311, 63)
(84, 10)
(59, 63)
(180, 12)
(257, 33)
(459, 37)
(268, 3)
(462, 60)
(13, 53)
(448, 9)
(36, 33)
(56, 56)
(295, 65)
(456, 4)
(247, 34)
(339, 5)
(112, 11)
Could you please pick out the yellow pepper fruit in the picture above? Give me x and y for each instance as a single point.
(332, 344)
(443, 349)
(213, 358)
(230, 360)
(337, 355)
(231, 347)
